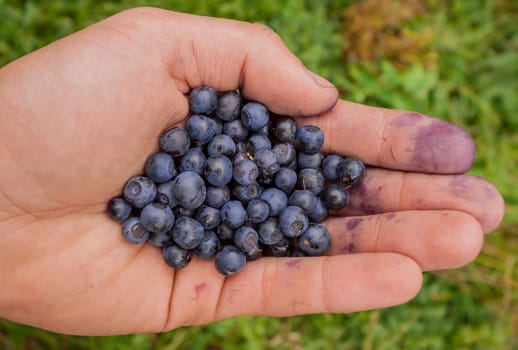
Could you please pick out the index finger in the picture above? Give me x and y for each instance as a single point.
(395, 139)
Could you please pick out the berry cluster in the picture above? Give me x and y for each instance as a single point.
(235, 185)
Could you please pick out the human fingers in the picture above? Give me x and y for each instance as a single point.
(435, 239)
(395, 139)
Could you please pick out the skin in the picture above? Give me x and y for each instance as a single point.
(80, 116)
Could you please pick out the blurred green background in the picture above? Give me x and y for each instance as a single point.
(457, 60)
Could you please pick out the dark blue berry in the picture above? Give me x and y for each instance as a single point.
(225, 232)
(217, 196)
(208, 217)
(229, 106)
(334, 197)
(258, 211)
(279, 249)
(203, 99)
(218, 170)
(208, 247)
(310, 138)
(158, 239)
(276, 199)
(245, 147)
(139, 191)
(309, 160)
(218, 126)
(239, 156)
(269, 232)
(267, 161)
(187, 232)
(304, 199)
(319, 213)
(193, 160)
(233, 214)
(329, 166)
(292, 221)
(189, 190)
(246, 239)
(201, 128)
(286, 180)
(311, 179)
(230, 260)
(160, 167)
(118, 209)
(133, 231)
(285, 129)
(175, 256)
(350, 171)
(221, 144)
(254, 116)
(157, 218)
(165, 194)
(315, 240)
(236, 130)
(246, 193)
(259, 141)
(286, 153)
(175, 141)
(245, 172)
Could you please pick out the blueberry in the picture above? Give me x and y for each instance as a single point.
(350, 171)
(285, 153)
(286, 180)
(276, 199)
(315, 240)
(158, 239)
(175, 141)
(239, 156)
(208, 217)
(217, 196)
(254, 116)
(246, 193)
(203, 99)
(258, 211)
(269, 232)
(310, 138)
(279, 249)
(187, 232)
(309, 160)
(218, 126)
(245, 172)
(118, 209)
(304, 199)
(139, 191)
(230, 260)
(236, 130)
(160, 167)
(246, 239)
(181, 211)
(218, 170)
(157, 218)
(259, 141)
(285, 129)
(233, 214)
(208, 247)
(221, 144)
(165, 194)
(329, 166)
(201, 128)
(334, 197)
(225, 232)
(189, 190)
(319, 213)
(175, 256)
(193, 160)
(245, 147)
(267, 161)
(311, 179)
(292, 221)
(229, 105)
(133, 231)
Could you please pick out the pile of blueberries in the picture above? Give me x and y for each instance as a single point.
(235, 184)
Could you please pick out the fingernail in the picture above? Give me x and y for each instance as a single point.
(319, 80)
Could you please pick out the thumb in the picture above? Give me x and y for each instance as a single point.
(228, 54)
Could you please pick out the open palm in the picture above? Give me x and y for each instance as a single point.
(81, 115)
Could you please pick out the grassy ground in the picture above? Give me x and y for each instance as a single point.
(455, 60)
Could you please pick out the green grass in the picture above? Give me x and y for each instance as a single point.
(462, 67)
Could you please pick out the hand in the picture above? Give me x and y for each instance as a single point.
(80, 116)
